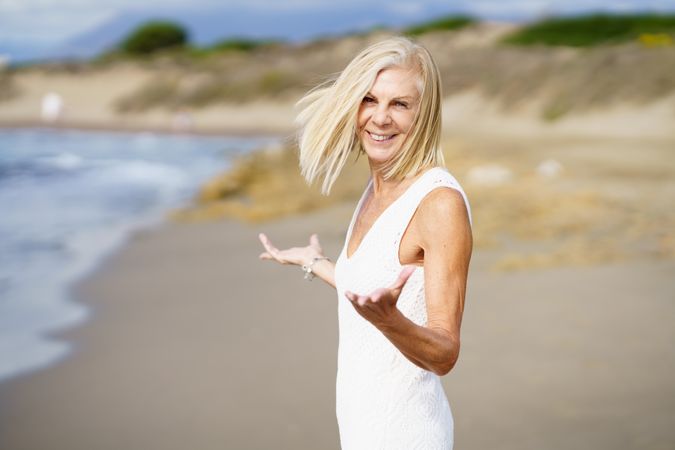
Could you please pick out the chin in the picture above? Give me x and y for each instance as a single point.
(379, 153)
(379, 156)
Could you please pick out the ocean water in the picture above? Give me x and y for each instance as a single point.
(67, 199)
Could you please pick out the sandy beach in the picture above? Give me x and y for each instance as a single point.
(195, 343)
(192, 342)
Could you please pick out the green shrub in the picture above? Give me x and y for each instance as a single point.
(243, 45)
(554, 111)
(274, 81)
(230, 45)
(443, 23)
(585, 31)
(153, 36)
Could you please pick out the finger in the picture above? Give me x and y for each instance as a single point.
(314, 240)
(375, 298)
(352, 296)
(272, 250)
(264, 240)
(403, 277)
(275, 254)
(362, 300)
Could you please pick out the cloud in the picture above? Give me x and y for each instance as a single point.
(407, 8)
(53, 26)
(40, 21)
(534, 8)
(57, 20)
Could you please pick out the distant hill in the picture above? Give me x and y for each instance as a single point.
(560, 80)
(209, 26)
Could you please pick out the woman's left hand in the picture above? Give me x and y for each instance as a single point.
(379, 307)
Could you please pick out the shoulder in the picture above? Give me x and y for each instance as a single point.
(444, 211)
(444, 196)
(442, 203)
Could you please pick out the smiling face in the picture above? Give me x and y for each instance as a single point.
(387, 113)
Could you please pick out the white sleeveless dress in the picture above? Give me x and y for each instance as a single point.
(383, 400)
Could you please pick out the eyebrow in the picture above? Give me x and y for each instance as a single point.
(405, 97)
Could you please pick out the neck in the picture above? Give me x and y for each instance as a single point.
(384, 188)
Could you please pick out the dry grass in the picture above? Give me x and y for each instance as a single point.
(561, 80)
(267, 185)
(581, 217)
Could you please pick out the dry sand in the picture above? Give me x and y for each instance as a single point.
(89, 103)
(195, 343)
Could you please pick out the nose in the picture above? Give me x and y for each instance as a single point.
(381, 115)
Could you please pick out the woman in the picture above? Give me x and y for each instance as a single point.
(401, 276)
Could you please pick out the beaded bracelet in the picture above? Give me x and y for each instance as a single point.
(307, 268)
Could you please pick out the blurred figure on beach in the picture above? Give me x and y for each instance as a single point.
(52, 107)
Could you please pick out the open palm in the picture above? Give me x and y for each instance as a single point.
(293, 255)
(379, 306)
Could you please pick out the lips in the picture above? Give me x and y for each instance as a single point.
(380, 137)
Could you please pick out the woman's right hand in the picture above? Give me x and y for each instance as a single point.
(295, 255)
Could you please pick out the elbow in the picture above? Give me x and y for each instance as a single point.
(444, 368)
(447, 361)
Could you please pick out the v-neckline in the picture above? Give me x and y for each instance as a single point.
(360, 206)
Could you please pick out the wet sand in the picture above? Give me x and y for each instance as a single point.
(195, 343)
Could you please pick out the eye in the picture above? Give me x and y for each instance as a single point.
(368, 99)
(402, 104)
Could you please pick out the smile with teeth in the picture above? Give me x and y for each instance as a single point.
(379, 137)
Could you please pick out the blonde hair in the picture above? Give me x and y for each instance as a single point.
(328, 120)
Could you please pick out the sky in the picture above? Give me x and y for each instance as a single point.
(47, 22)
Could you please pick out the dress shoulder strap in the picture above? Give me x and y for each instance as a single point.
(430, 180)
(441, 177)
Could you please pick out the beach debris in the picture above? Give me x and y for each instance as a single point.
(489, 175)
(549, 168)
(52, 107)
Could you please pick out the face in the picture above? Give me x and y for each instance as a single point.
(387, 112)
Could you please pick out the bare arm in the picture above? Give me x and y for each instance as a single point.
(300, 256)
(447, 243)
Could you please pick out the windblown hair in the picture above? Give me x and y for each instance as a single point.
(328, 119)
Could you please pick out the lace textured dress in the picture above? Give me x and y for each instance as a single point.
(384, 401)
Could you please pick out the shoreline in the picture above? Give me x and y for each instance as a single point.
(66, 293)
(122, 128)
(90, 239)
